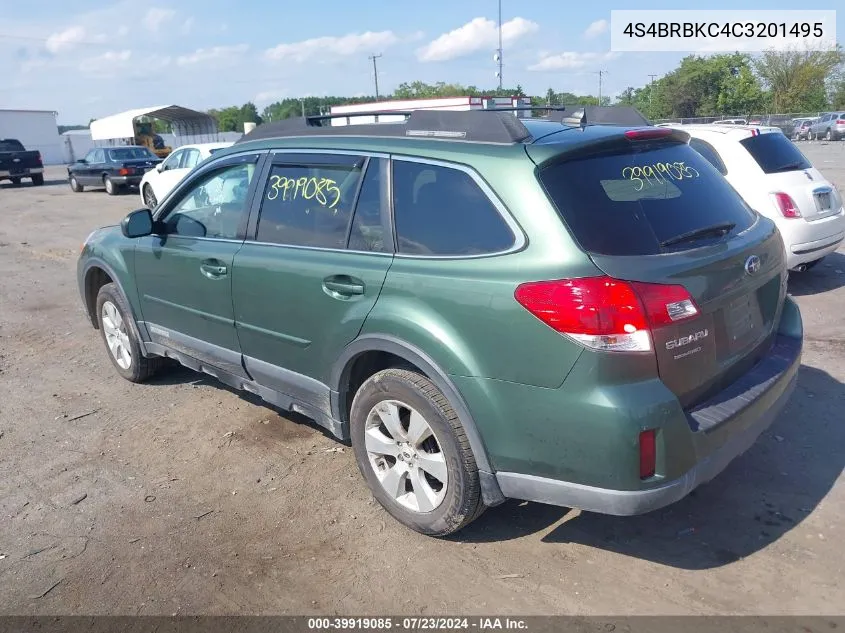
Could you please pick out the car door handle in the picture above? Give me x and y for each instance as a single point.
(344, 285)
(213, 269)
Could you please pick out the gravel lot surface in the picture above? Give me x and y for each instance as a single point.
(181, 496)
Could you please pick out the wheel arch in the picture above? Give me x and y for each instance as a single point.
(342, 374)
(95, 274)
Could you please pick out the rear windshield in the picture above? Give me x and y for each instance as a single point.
(641, 203)
(130, 153)
(775, 153)
(10, 145)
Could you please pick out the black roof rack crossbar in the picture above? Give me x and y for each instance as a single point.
(481, 126)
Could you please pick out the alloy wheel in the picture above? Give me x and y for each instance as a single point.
(117, 339)
(406, 456)
(150, 197)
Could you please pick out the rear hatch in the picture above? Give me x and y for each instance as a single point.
(788, 171)
(652, 210)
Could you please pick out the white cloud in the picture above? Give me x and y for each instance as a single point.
(65, 40)
(477, 35)
(266, 97)
(106, 62)
(187, 25)
(571, 60)
(596, 28)
(215, 53)
(156, 17)
(123, 31)
(323, 47)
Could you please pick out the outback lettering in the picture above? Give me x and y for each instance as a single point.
(686, 340)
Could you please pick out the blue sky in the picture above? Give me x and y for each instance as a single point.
(91, 62)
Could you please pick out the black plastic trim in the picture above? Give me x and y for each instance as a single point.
(748, 389)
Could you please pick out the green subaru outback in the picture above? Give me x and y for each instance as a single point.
(486, 308)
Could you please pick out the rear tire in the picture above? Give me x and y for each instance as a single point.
(118, 331)
(16, 181)
(74, 185)
(111, 188)
(828, 136)
(414, 454)
(37, 179)
(150, 198)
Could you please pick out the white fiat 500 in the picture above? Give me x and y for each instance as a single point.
(777, 180)
(158, 182)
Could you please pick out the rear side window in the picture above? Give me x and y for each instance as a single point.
(308, 205)
(442, 211)
(775, 153)
(709, 152)
(632, 203)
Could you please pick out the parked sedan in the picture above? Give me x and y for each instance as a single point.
(113, 168)
(776, 180)
(830, 127)
(158, 182)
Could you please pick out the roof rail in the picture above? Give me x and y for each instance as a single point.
(481, 126)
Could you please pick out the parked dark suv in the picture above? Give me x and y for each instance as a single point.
(586, 316)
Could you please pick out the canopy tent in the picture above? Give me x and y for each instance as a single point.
(185, 122)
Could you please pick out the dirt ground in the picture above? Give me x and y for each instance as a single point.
(181, 496)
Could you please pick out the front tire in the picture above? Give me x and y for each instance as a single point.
(414, 454)
(74, 185)
(37, 179)
(120, 338)
(16, 181)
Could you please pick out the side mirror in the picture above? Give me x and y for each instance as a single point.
(160, 167)
(137, 224)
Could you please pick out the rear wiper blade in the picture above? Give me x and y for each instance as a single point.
(796, 164)
(717, 230)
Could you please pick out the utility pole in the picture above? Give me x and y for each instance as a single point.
(499, 50)
(600, 73)
(375, 70)
(651, 91)
(302, 103)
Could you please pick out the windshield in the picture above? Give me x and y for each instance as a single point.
(775, 153)
(130, 153)
(660, 199)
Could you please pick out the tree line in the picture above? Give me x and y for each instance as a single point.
(718, 85)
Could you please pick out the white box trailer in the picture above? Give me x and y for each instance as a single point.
(439, 103)
(36, 129)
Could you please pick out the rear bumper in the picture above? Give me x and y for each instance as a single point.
(25, 173)
(726, 426)
(131, 181)
(631, 502)
(808, 241)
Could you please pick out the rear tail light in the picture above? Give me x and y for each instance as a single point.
(605, 313)
(787, 206)
(38, 158)
(840, 121)
(648, 453)
(124, 171)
